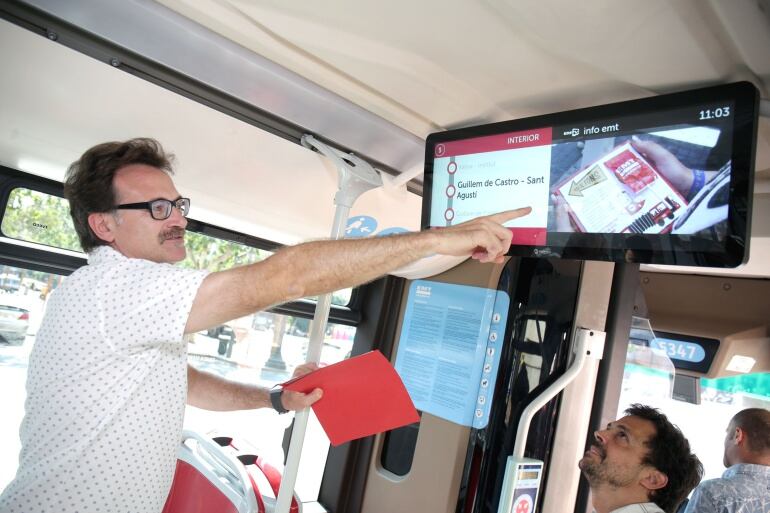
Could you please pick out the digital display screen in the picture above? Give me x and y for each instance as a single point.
(679, 349)
(687, 352)
(659, 180)
(526, 475)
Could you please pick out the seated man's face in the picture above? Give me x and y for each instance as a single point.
(615, 456)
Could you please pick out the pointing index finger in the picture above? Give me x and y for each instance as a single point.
(502, 217)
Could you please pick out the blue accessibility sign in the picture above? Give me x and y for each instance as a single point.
(360, 226)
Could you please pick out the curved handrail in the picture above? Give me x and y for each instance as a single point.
(215, 456)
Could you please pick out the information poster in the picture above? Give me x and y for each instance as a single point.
(449, 349)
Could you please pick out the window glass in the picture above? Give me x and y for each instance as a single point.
(744, 388)
(262, 349)
(23, 298)
(649, 378)
(34, 216)
(339, 297)
(213, 254)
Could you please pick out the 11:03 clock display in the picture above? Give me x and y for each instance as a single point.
(719, 112)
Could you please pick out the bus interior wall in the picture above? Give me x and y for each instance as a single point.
(456, 468)
(435, 464)
(540, 321)
(718, 307)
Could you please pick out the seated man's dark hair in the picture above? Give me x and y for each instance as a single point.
(669, 452)
(755, 422)
(88, 183)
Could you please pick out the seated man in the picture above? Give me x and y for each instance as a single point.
(745, 485)
(640, 464)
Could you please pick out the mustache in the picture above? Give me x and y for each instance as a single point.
(600, 450)
(172, 233)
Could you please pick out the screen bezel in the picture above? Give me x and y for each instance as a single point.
(670, 249)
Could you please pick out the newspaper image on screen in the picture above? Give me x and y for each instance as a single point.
(622, 193)
(668, 180)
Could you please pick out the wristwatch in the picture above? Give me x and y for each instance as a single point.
(275, 399)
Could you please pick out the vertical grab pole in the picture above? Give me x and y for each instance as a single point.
(355, 177)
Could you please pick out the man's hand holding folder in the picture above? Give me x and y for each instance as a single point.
(362, 396)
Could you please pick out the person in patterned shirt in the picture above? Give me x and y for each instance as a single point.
(745, 485)
(108, 376)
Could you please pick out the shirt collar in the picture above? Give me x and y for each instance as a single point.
(103, 255)
(748, 469)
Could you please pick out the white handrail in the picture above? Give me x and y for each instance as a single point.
(589, 342)
(355, 177)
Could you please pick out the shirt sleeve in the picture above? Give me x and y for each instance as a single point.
(144, 304)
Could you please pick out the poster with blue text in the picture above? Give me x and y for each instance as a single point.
(449, 349)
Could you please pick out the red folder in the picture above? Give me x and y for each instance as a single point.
(362, 396)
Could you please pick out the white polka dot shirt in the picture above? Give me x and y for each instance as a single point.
(106, 390)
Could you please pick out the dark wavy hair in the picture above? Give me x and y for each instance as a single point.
(669, 452)
(89, 181)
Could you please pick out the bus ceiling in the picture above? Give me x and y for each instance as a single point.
(376, 79)
(334, 76)
(195, 61)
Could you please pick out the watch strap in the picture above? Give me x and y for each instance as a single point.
(275, 400)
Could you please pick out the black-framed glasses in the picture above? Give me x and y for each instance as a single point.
(160, 209)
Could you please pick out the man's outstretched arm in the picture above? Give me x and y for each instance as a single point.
(323, 266)
(211, 392)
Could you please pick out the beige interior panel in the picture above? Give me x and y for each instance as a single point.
(747, 351)
(432, 485)
(561, 486)
(734, 310)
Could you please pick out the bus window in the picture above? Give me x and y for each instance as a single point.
(649, 378)
(264, 349)
(21, 311)
(9, 282)
(265, 355)
(339, 297)
(35, 216)
(30, 216)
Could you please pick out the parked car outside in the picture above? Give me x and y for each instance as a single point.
(10, 282)
(14, 320)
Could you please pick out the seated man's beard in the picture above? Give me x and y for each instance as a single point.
(600, 472)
